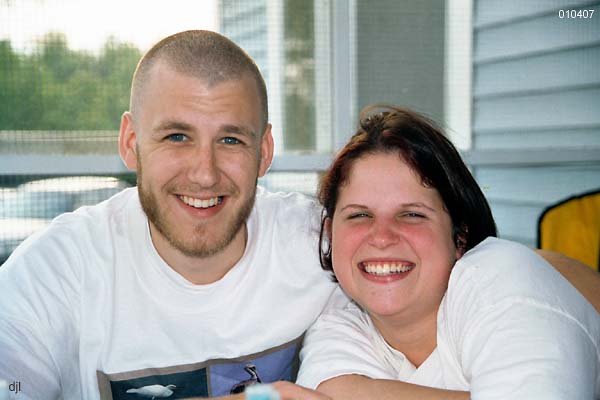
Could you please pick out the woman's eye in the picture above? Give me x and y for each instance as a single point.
(231, 140)
(413, 215)
(176, 137)
(357, 215)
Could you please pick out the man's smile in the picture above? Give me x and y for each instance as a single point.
(201, 203)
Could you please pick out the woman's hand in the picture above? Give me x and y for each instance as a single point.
(287, 391)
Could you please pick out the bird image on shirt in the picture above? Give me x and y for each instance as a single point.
(254, 379)
(154, 391)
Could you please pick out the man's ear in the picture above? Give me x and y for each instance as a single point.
(128, 141)
(266, 151)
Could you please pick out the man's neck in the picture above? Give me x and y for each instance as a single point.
(201, 270)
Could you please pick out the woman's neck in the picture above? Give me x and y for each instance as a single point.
(416, 339)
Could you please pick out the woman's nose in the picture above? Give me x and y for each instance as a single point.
(383, 235)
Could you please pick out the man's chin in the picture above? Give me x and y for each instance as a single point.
(199, 250)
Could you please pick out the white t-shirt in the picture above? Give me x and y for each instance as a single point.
(89, 310)
(508, 327)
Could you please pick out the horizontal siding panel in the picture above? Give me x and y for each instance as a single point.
(519, 139)
(536, 97)
(493, 11)
(526, 157)
(572, 109)
(517, 222)
(542, 35)
(537, 185)
(553, 71)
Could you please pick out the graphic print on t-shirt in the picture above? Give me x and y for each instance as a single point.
(211, 378)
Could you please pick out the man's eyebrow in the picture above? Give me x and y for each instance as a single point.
(173, 126)
(239, 130)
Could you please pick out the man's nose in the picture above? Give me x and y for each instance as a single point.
(203, 168)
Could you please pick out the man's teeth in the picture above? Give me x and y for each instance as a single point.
(387, 268)
(199, 203)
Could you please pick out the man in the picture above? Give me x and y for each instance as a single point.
(194, 284)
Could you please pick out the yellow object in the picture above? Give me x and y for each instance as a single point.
(572, 227)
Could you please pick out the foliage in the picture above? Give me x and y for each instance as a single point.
(299, 77)
(57, 88)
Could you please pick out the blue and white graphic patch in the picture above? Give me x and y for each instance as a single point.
(211, 378)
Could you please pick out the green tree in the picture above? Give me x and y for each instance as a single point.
(57, 88)
(299, 76)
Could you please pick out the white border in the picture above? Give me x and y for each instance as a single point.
(458, 80)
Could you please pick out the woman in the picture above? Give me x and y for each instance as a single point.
(438, 300)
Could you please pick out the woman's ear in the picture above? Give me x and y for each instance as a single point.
(327, 227)
(460, 240)
(326, 255)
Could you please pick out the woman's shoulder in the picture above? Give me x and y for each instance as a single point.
(494, 253)
(501, 272)
(503, 298)
(497, 264)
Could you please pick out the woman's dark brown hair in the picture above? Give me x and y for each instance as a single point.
(424, 147)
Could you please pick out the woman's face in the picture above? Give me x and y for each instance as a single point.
(392, 245)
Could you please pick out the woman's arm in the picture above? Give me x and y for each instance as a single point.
(357, 387)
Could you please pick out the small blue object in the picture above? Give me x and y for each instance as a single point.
(261, 392)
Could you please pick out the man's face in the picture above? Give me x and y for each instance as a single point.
(198, 151)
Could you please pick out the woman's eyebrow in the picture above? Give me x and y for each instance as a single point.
(402, 205)
(417, 205)
(354, 206)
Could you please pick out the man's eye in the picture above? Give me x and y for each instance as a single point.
(230, 140)
(176, 137)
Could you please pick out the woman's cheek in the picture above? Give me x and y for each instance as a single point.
(346, 242)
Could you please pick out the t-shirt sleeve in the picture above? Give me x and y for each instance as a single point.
(24, 359)
(520, 330)
(38, 320)
(338, 343)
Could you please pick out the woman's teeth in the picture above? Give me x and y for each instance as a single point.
(387, 268)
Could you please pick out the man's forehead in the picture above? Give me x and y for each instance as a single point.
(162, 75)
(210, 77)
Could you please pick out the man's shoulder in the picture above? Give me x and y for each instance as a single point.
(288, 205)
(280, 219)
(88, 226)
(284, 198)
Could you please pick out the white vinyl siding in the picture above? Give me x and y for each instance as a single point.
(536, 108)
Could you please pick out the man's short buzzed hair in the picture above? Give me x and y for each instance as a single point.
(203, 54)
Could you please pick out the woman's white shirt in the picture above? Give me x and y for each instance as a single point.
(509, 326)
